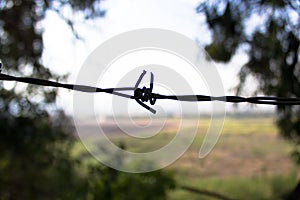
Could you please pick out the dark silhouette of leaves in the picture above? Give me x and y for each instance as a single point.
(272, 48)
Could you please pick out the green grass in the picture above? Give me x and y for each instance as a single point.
(272, 188)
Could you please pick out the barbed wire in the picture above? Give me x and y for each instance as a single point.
(144, 94)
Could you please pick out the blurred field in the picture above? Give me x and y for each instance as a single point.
(250, 160)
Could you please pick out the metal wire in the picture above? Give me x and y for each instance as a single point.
(144, 94)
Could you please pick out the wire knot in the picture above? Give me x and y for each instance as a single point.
(144, 95)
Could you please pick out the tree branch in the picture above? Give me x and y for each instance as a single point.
(205, 192)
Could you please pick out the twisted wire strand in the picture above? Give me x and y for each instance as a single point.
(233, 99)
(144, 94)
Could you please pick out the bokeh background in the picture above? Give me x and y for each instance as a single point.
(255, 45)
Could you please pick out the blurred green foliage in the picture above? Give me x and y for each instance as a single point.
(273, 49)
(35, 137)
(107, 183)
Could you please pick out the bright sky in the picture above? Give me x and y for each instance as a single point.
(64, 54)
